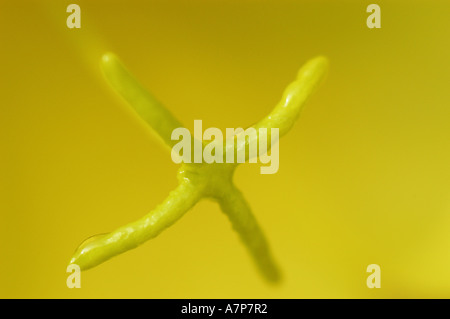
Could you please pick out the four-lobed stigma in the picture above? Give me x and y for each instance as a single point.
(198, 180)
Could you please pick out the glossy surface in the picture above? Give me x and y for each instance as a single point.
(364, 175)
(196, 180)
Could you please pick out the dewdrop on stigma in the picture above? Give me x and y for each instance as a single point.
(197, 181)
(237, 143)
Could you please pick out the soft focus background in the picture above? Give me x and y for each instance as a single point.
(364, 174)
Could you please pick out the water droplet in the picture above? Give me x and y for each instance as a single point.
(89, 240)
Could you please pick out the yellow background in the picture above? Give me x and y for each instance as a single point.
(364, 174)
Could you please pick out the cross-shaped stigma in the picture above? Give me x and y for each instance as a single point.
(197, 180)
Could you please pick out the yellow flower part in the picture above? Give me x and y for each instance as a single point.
(197, 180)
